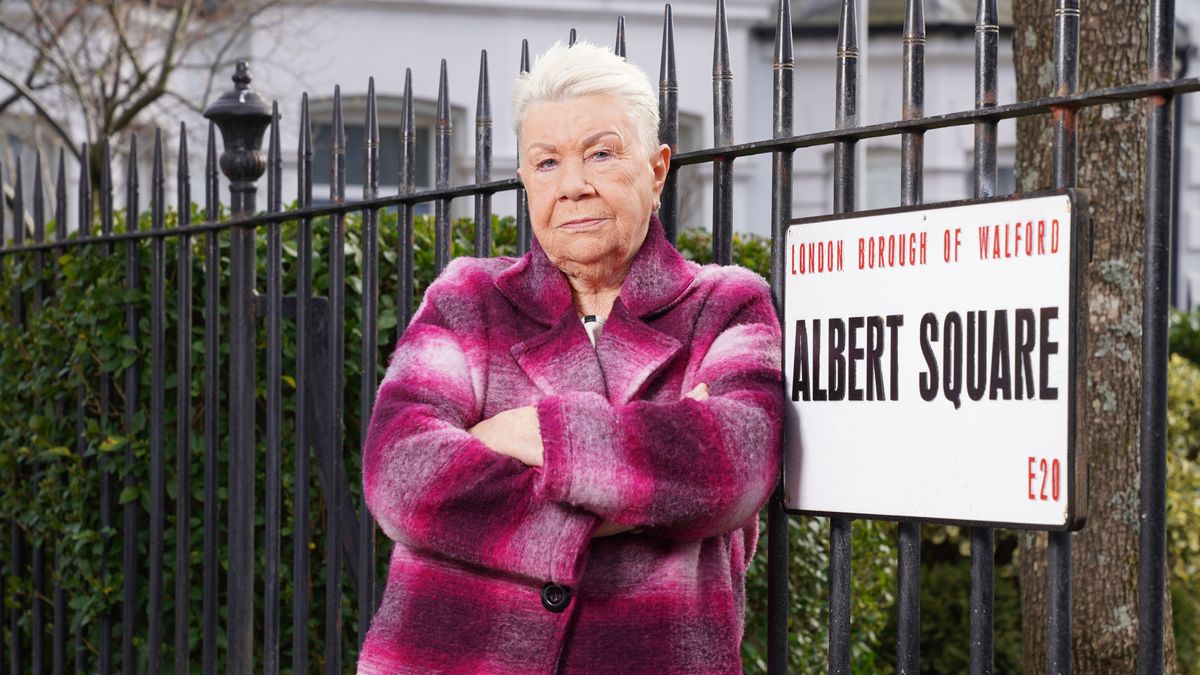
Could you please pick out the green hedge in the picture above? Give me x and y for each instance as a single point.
(50, 485)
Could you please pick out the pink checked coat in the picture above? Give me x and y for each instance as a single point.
(494, 568)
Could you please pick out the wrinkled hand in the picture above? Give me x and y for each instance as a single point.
(515, 433)
(700, 393)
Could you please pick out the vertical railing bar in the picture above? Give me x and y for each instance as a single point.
(15, 533)
(781, 212)
(442, 132)
(129, 557)
(668, 126)
(300, 534)
(524, 233)
(157, 405)
(243, 382)
(16, 568)
(722, 136)
(1058, 553)
(912, 169)
(619, 43)
(183, 409)
(845, 115)
(39, 290)
(370, 353)
(58, 649)
(16, 537)
(212, 405)
(18, 208)
(483, 160)
(404, 217)
(1155, 349)
(85, 192)
(337, 290)
(107, 506)
(81, 444)
(60, 198)
(37, 645)
(273, 499)
(983, 557)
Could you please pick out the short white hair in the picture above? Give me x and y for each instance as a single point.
(585, 69)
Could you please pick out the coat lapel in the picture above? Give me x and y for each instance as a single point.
(561, 359)
(629, 352)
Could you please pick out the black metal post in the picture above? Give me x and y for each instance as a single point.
(441, 160)
(337, 382)
(129, 554)
(668, 127)
(212, 403)
(845, 116)
(407, 182)
(183, 406)
(272, 519)
(158, 493)
(781, 212)
(300, 534)
(1152, 543)
(912, 169)
(242, 116)
(1058, 554)
(483, 160)
(983, 558)
(370, 352)
(722, 226)
(524, 233)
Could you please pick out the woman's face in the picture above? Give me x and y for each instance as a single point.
(590, 184)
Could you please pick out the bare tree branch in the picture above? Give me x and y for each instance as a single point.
(42, 111)
(55, 43)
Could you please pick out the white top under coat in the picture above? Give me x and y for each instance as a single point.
(592, 324)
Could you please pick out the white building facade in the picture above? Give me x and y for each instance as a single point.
(317, 45)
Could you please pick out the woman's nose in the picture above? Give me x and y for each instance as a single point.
(575, 181)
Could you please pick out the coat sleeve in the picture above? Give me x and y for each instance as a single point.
(431, 484)
(685, 469)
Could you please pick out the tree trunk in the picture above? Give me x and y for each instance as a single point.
(1112, 149)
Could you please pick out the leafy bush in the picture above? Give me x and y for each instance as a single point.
(54, 363)
(1183, 508)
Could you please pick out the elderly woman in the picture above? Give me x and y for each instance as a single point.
(570, 449)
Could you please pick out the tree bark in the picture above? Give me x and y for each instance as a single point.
(1112, 148)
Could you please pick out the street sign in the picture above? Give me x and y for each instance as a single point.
(930, 360)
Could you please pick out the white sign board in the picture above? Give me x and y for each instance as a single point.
(929, 356)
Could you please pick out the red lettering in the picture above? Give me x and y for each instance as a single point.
(1054, 480)
(1043, 468)
(1032, 475)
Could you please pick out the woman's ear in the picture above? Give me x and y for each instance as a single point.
(660, 165)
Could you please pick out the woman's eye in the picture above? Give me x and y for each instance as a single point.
(602, 154)
(545, 164)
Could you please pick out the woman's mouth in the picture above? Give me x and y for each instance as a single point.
(582, 223)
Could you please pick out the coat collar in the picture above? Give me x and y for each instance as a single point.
(657, 275)
(560, 359)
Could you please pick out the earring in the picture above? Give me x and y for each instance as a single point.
(657, 204)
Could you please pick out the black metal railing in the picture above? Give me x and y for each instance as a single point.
(318, 421)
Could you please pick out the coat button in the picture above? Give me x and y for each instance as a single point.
(554, 597)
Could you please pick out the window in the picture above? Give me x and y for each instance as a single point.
(390, 110)
(389, 155)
